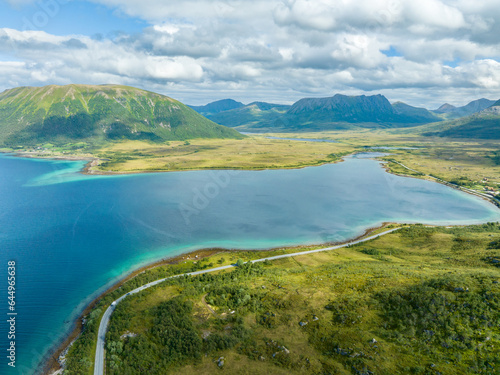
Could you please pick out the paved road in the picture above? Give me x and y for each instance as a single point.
(103, 326)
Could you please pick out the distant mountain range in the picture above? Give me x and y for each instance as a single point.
(256, 115)
(337, 112)
(96, 114)
(452, 112)
(63, 114)
(217, 107)
(482, 125)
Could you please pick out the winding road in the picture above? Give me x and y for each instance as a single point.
(103, 326)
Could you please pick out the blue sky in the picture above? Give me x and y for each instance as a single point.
(69, 17)
(424, 53)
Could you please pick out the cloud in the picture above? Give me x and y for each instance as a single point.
(199, 50)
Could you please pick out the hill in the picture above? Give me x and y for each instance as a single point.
(445, 108)
(60, 114)
(217, 107)
(483, 125)
(450, 112)
(253, 115)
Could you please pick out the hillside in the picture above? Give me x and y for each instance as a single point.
(451, 112)
(341, 112)
(483, 125)
(60, 114)
(418, 301)
(217, 107)
(253, 115)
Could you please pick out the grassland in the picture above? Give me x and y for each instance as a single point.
(418, 301)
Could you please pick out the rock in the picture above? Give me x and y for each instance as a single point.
(286, 350)
(220, 362)
(373, 341)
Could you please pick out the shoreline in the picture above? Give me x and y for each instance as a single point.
(51, 364)
(93, 161)
(430, 178)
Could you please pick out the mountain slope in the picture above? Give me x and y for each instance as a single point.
(445, 108)
(253, 115)
(217, 107)
(337, 112)
(411, 114)
(483, 125)
(450, 112)
(342, 111)
(96, 113)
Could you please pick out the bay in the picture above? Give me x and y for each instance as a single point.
(72, 235)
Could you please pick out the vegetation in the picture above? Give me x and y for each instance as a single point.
(337, 112)
(417, 301)
(478, 126)
(97, 115)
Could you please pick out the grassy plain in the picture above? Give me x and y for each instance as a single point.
(475, 162)
(417, 301)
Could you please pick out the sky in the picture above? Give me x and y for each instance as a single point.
(424, 53)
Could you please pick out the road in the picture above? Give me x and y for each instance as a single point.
(103, 326)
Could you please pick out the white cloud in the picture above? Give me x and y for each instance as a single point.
(198, 50)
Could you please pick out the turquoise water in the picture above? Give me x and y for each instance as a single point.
(74, 235)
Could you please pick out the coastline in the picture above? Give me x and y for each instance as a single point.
(430, 178)
(51, 364)
(93, 161)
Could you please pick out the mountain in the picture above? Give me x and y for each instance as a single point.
(217, 107)
(336, 112)
(253, 115)
(63, 114)
(476, 106)
(445, 108)
(411, 114)
(341, 111)
(482, 125)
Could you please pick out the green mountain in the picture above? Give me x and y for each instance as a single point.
(337, 112)
(482, 125)
(413, 115)
(254, 115)
(61, 114)
(217, 107)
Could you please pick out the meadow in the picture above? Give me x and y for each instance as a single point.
(418, 301)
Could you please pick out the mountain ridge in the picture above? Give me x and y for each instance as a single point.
(481, 125)
(450, 112)
(217, 106)
(98, 112)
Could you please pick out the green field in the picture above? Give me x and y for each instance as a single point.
(418, 301)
